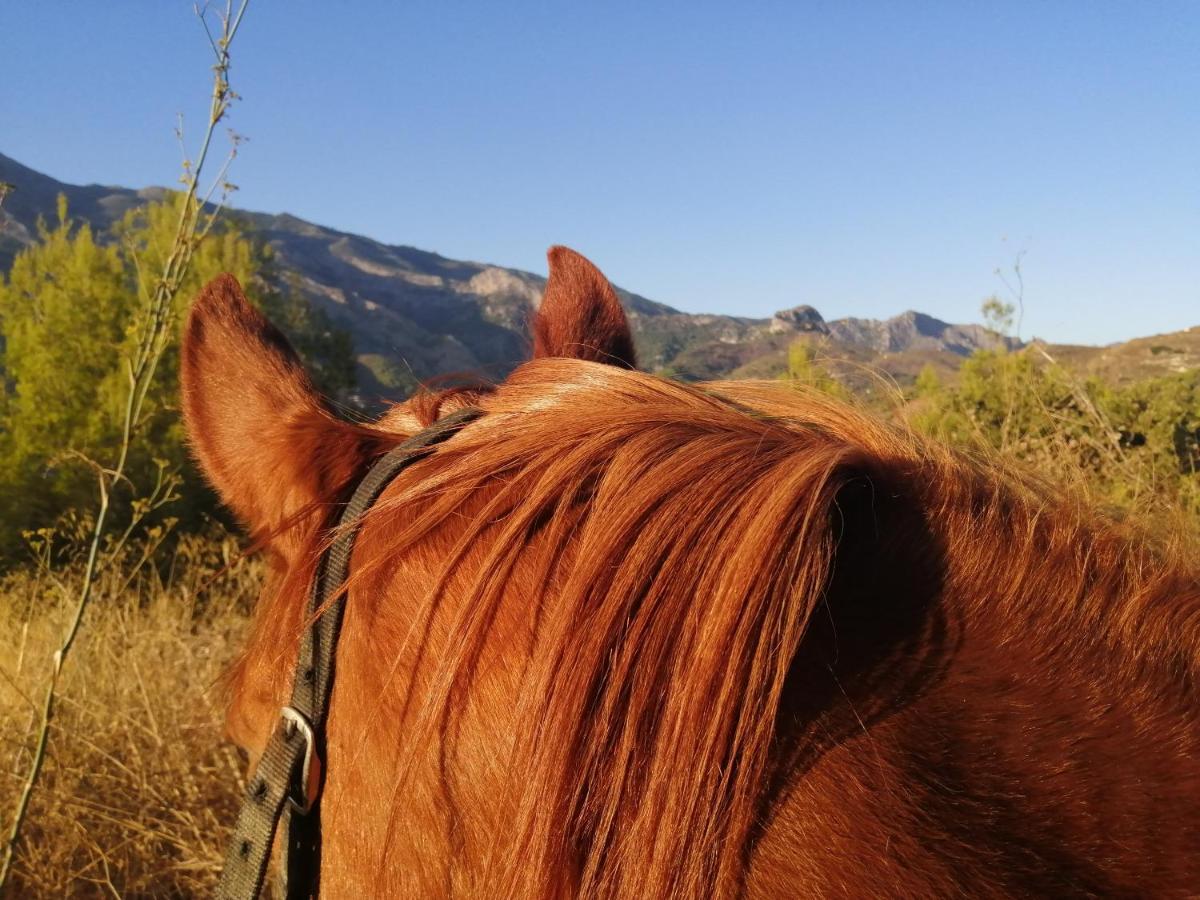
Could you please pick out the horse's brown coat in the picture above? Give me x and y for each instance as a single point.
(628, 638)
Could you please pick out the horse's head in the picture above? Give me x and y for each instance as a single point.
(625, 637)
(280, 458)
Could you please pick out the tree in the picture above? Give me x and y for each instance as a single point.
(67, 313)
(62, 314)
(927, 383)
(805, 369)
(998, 315)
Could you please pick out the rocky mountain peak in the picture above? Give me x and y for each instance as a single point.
(801, 319)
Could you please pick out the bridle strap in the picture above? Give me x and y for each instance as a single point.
(282, 777)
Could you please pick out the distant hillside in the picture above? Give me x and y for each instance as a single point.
(1135, 360)
(414, 314)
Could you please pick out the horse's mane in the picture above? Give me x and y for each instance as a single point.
(676, 543)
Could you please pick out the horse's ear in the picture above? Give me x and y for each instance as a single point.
(257, 426)
(580, 315)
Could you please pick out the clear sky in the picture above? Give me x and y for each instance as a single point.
(737, 157)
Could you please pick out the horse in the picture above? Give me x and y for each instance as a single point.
(627, 637)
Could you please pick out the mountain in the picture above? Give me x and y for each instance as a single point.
(414, 314)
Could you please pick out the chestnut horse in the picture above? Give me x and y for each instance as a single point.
(622, 637)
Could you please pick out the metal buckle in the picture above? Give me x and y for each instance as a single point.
(295, 721)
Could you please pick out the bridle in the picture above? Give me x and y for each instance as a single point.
(286, 785)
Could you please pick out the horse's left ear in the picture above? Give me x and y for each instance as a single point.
(580, 316)
(259, 429)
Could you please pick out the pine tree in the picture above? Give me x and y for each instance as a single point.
(67, 317)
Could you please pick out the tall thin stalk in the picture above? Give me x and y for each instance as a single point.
(156, 329)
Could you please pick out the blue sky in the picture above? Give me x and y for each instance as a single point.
(737, 158)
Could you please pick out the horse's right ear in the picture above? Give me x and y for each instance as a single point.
(580, 316)
(257, 426)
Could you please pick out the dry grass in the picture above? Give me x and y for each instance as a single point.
(139, 789)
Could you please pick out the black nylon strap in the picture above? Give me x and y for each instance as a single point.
(279, 775)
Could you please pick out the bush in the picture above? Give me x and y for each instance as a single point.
(1137, 447)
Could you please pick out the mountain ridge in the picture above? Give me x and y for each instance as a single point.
(415, 314)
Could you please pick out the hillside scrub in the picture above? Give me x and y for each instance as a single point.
(1135, 447)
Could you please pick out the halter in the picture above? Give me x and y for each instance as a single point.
(288, 777)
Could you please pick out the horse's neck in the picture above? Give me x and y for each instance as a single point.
(1035, 727)
(1034, 751)
(1010, 776)
(1080, 652)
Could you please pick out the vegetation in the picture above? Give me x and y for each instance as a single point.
(148, 336)
(138, 790)
(806, 368)
(69, 312)
(1135, 446)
